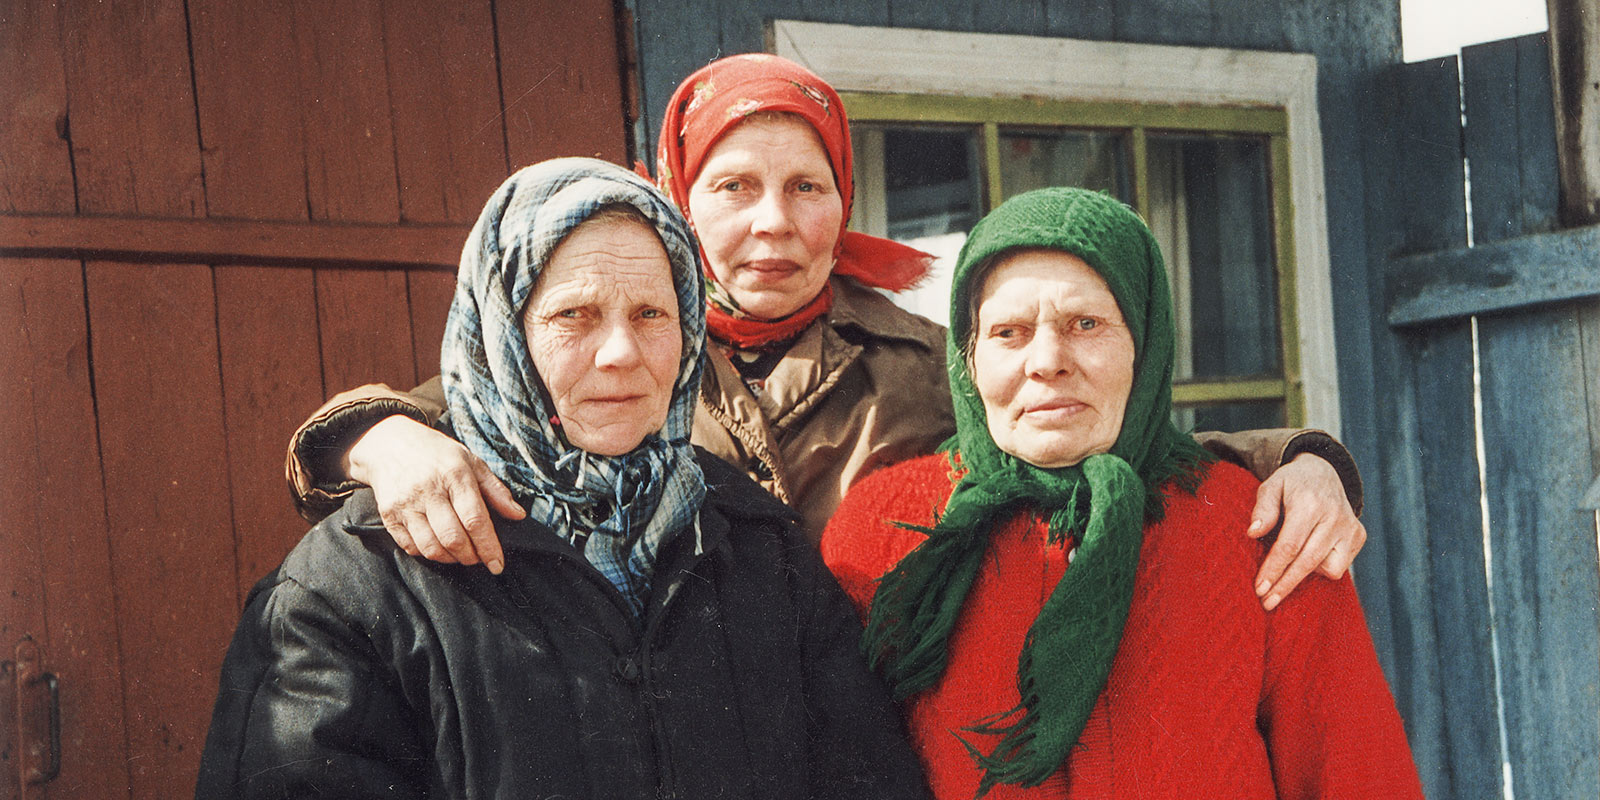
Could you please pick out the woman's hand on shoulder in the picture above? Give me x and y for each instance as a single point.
(1317, 529)
(431, 492)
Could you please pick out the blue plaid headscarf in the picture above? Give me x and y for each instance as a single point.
(618, 510)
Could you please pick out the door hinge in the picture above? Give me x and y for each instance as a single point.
(30, 716)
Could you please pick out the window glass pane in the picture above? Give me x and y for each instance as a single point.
(1034, 159)
(1242, 416)
(921, 185)
(1210, 208)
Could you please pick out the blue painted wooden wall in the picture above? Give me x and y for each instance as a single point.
(1515, 642)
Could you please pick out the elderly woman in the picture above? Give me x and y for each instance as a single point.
(661, 627)
(815, 379)
(1073, 538)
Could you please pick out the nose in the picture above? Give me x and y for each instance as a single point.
(771, 215)
(619, 347)
(1049, 355)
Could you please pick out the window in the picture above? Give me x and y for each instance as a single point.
(948, 125)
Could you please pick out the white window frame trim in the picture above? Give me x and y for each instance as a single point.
(911, 61)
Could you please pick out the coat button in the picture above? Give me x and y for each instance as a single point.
(762, 471)
(626, 668)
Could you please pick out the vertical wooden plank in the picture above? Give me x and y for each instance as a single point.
(248, 94)
(1537, 398)
(1079, 19)
(153, 335)
(271, 378)
(1025, 17)
(674, 40)
(431, 293)
(36, 175)
(948, 16)
(1182, 22)
(1509, 138)
(1442, 364)
(572, 77)
(1536, 136)
(154, 372)
(1428, 173)
(449, 137)
(363, 315)
(132, 108)
(1435, 209)
(56, 584)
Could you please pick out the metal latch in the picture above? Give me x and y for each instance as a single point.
(30, 699)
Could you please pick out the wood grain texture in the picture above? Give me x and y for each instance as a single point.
(1432, 178)
(247, 71)
(1424, 170)
(1442, 366)
(363, 318)
(1510, 138)
(430, 294)
(36, 168)
(562, 96)
(1512, 273)
(57, 582)
(153, 335)
(131, 106)
(248, 89)
(226, 241)
(267, 342)
(153, 344)
(1540, 459)
(449, 135)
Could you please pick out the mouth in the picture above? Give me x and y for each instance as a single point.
(1054, 410)
(769, 269)
(614, 400)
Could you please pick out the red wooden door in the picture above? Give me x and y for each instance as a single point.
(210, 218)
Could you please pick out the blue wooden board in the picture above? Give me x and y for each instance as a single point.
(1524, 271)
(1428, 200)
(1510, 137)
(1442, 360)
(1538, 379)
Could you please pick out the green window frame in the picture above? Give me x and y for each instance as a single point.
(1136, 120)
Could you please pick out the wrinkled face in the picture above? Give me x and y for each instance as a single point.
(603, 331)
(1052, 358)
(767, 212)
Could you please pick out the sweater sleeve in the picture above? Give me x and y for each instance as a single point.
(302, 712)
(1329, 720)
(865, 538)
(316, 481)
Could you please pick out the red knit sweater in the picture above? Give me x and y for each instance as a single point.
(1209, 695)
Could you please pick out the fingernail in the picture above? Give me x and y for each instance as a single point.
(1262, 587)
(1255, 526)
(496, 566)
(1272, 602)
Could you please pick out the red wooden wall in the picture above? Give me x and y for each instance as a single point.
(210, 218)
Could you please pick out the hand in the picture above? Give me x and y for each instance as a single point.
(431, 492)
(1319, 530)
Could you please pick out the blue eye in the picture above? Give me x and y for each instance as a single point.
(1088, 324)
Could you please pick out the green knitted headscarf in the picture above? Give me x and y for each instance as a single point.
(1101, 503)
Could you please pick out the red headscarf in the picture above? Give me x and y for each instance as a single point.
(710, 103)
